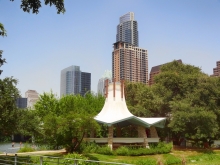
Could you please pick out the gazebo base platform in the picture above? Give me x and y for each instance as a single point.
(117, 142)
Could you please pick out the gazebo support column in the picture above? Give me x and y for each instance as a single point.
(142, 134)
(110, 137)
(153, 132)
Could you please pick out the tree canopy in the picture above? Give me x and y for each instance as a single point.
(34, 5)
(65, 121)
(185, 95)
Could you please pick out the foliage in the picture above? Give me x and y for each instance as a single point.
(105, 150)
(171, 159)
(24, 125)
(87, 147)
(188, 98)
(160, 148)
(26, 148)
(124, 151)
(8, 109)
(28, 5)
(66, 121)
(2, 30)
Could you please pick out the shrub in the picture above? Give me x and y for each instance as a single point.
(104, 150)
(122, 151)
(171, 159)
(89, 147)
(26, 148)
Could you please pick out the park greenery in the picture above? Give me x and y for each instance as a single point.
(188, 98)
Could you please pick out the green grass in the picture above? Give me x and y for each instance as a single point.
(173, 158)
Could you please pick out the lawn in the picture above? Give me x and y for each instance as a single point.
(199, 157)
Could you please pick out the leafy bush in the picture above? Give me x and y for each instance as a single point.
(160, 148)
(122, 151)
(104, 150)
(89, 147)
(26, 148)
(171, 159)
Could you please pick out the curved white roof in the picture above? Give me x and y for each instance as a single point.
(115, 111)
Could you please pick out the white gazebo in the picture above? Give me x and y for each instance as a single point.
(116, 114)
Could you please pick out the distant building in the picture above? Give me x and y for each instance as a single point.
(156, 70)
(101, 83)
(32, 97)
(129, 63)
(216, 71)
(21, 103)
(127, 30)
(85, 83)
(73, 81)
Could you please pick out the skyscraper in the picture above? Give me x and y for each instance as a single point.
(73, 81)
(85, 83)
(129, 62)
(21, 102)
(127, 30)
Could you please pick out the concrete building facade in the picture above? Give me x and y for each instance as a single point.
(129, 63)
(216, 70)
(32, 97)
(127, 30)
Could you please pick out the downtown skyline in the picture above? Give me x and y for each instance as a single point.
(39, 46)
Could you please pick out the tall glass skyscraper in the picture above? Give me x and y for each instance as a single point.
(73, 81)
(129, 61)
(127, 30)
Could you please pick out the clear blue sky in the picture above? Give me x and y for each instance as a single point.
(39, 46)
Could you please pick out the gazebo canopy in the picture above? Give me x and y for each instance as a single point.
(115, 111)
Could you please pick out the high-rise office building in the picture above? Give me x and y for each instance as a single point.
(127, 30)
(73, 81)
(101, 83)
(129, 62)
(156, 70)
(21, 102)
(216, 71)
(85, 82)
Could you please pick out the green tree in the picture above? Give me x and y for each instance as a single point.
(8, 109)
(2, 30)
(73, 128)
(66, 121)
(2, 61)
(189, 99)
(25, 126)
(34, 5)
